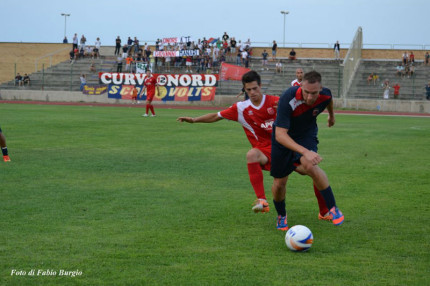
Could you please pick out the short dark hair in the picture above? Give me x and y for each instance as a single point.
(312, 77)
(250, 77)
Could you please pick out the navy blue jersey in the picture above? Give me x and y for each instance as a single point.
(300, 119)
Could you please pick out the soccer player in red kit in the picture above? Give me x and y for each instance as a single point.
(150, 83)
(256, 115)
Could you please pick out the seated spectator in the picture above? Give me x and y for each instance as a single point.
(279, 67)
(88, 51)
(369, 78)
(375, 78)
(428, 91)
(412, 57)
(26, 80)
(411, 71)
(399, 70)
(72, 56)
(65, 41)
(292, 55)
(92, 67)
(81, 53)
(406, 70)
(427, 58)
(76, 52)
(405, 58)
(18, 79)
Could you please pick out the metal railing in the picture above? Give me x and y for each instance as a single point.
(50, 57)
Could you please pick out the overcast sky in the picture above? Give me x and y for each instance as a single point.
(308, 21)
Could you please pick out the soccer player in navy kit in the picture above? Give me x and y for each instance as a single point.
(3, 146)
(294, 143)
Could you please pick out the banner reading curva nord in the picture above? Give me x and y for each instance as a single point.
(172, 87)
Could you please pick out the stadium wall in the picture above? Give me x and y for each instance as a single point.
(220, 101)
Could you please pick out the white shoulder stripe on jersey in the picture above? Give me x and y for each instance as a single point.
(294, 103)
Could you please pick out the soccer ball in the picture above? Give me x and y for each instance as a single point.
(299, 238)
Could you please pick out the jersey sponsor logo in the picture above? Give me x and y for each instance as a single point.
(267, 125)
(315, 112)
(250, 112)
(294, 103)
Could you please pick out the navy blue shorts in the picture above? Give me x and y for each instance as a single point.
(285, 161)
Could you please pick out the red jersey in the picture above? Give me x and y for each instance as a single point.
(296, 83)
(396, 89)
(150, 83)
(257, 121)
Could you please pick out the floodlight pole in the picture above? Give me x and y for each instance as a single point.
(285, 13)
(65, 17)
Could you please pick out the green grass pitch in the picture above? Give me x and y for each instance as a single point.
(127, 200)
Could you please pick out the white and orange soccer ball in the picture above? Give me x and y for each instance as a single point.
(299, 238)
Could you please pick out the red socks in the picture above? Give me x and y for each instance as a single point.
(256, 178)
(321, 201)
(150, 107)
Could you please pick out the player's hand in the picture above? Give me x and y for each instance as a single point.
(331, 121)
(313, 157)
(185, 119)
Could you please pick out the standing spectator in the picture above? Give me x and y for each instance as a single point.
(188, 64)
(238, 57)
(405, 58)
(427, 58)
(117, 45)
(375, 78)
(428, 91)
(150, 84)
(292, 55)
(225, 37)
(119, 64)
(396, 90)
(75, 41)
(18, 79)
(26, 80)
(4, 147)
(386, 87)
(124, 51)
(336, 49)
(65, 41)
(128, 63)
(83, 41)
(233, 44)
(274, 50)
(97, 46)
(299, 77)
(83, 82)
(264, 55)
(245, 58)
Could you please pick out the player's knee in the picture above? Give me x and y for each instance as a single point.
(252, 156)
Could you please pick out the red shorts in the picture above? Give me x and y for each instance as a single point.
(266, 151)
(150, 97)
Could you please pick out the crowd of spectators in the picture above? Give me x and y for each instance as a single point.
(81, 50)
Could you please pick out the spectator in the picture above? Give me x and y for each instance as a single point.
(274, 50)
(82, 53)
(124, 51)
(83, 41)
(92, 67)
(128, 62)
(188, 64)
(65, 41)
(88, 52)
(279, 67)
(117, 46)
(406, 70)
(428, 91)
(411, 71)
(243, 92)
(75, 42)
(369, 78)
(244, 56)
(72, 56)
(427, 58)
(233, 44)
(375, 78)
(83, 82)
(225, 37)
(18, 79)
(405, 58)
(400, 70)
(411, 58)
(336, 49)
(292, 55)
(396, 90)
(119, 64)
(96, 51)
(264, 60)
(386, 87)
(26, 80)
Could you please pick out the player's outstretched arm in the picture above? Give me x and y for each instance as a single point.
(207, 118)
